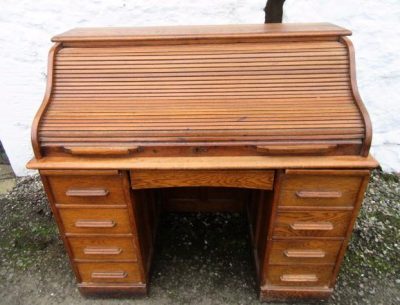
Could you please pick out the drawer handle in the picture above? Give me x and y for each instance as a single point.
(109, 275)
(82, 223)
(87, 192)
(100, 151)
(311, 226)
(318, 194)
(295, 149)
(102, 251)
(299, 278)
(293, 253)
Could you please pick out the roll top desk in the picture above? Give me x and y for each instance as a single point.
(270, 109)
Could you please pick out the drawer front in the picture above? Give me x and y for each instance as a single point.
(88, 189)
(98, 221)
(312, 224)
(319, 190)
(95, 248)
(109, 272)
(304, 251)
(310, 276)
(257, 179)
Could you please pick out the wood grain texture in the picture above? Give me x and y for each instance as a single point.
(175, 98)
(304, 252)
(88, 189)
(307, 275)
(90, 151)
(318, 194)
(109, 272)
(194, 163)
(92, 192)
(95, 221)
(146, 207)
(45, 102)
(271, 293)
(257, 179)
(359, 200)
(79, 172)
(112, 290)
(319, 190)
(103, 249)
(57, 217)
(357, 97)
(295, 149)
(213, 31)
(312, 224)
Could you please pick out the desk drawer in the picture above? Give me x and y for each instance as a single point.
(87, 189)
(304, 251)
(312, 224)
(103, 248)
(315, 189)
(257, 179)
(98, 221)
(109, 272)
(307, 275)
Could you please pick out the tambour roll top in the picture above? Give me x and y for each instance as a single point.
(205, 90)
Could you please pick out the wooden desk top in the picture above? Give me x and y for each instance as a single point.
(251, 162)
(201, 31)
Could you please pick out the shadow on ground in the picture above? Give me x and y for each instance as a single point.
(201, 258)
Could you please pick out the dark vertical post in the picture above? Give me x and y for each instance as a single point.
(3, 156)
(273, 11)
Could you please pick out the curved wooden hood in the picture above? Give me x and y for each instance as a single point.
(279, 89)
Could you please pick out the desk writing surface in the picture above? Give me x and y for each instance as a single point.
(264, 162)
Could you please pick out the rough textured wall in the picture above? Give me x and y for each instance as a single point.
(26, 28)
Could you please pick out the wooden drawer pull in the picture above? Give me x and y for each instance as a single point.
(82, 223)
(102, 251)
(100, 151)
(87, 192)
(295, 149)
(299, 278)
(318, 194)
(293, 253)
(311, 226)
(109, 275)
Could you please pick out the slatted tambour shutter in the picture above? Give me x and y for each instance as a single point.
(225, 94)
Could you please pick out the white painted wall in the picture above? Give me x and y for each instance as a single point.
(27, 26)
(376, 37)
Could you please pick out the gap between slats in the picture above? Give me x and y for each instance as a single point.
(237, 47)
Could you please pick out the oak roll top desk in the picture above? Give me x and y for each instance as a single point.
(269, 109)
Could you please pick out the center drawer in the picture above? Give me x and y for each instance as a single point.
(253, 179)
(99, 221)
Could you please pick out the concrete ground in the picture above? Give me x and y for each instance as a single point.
(201, 258)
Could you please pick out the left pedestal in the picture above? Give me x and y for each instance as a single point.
(96, 214)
